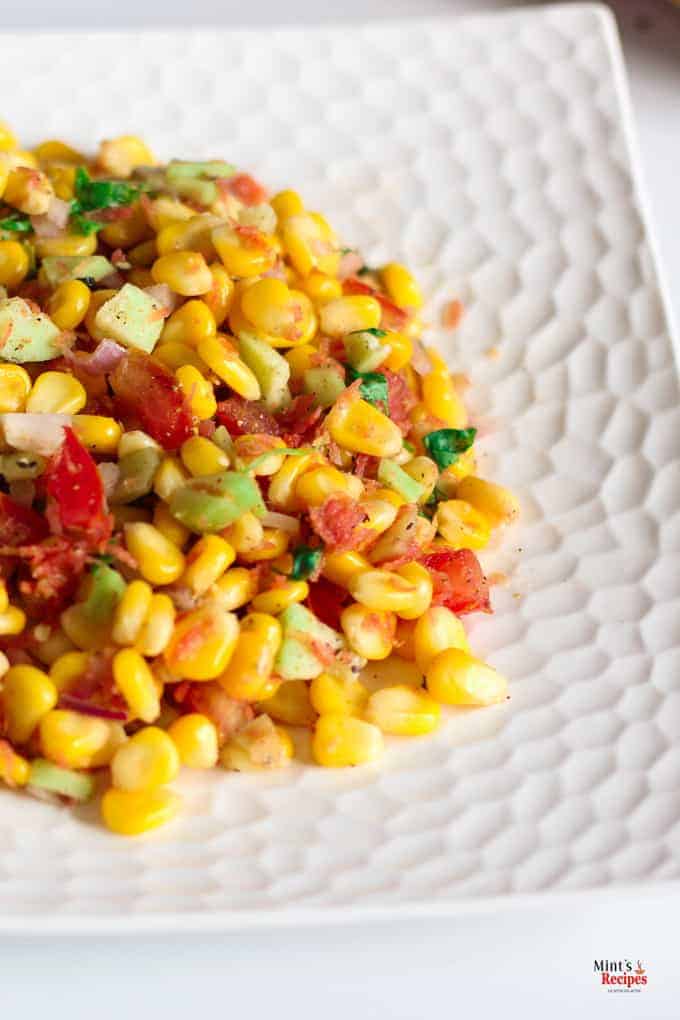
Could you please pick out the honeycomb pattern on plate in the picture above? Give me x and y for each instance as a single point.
(491, 154)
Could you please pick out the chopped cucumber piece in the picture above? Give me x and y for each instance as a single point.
(324, 384)
(46, 776)
(365, 349)
(58, 268)
(26, 335)
(307, 644)
(270, 368)
(107, 589)
(178, 170)
(132, 317)
(393, 477)
(213, 502)
(136, 475)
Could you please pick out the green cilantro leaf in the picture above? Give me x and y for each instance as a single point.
(305, 562)
(17, 223)
(373, 389)
(92, 195)
(445, 445)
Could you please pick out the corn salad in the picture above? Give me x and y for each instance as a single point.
(231, 475)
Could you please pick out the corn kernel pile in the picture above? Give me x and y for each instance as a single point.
(231, 475)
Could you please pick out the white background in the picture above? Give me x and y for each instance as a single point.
(528, 962)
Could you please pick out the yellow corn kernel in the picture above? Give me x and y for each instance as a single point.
(404, 645)
(410, 531)
(4, 597)
(286, 203)
(390, 496)
(28, 695)
(195, 738)
(131, 612)
(14, 264)
(119, 156)
(220, 296)
(4, 174)
(252, 663)
(57, 151)
(169, 526)
(497, 504)
(202, 644)
(56, 393)
(4, 664)
(28, 190)
(235, 588)
(442, 400)
(131, 814)
(315, 485)
(202, 457)
(207, 561)
(300, 359)
(143, 255)
(8, 140)
(283, 484)
(276, 599)
(117, 737)
(455, 473)
(349, 314)
(309, 244)
(71, 739)
(190, 323)
(369, 632)
(154, 637)
(198, 390)
(68, 304)
(62, 176)
(357, 426)
(461, 525)
(341, 567)
(290, 704)
(342, 740)
(146, 761)
(268, 306)
(14, 770)
(334, 695)
(420, 578)
(169, 476)
(81, 631)
(165, 210)
(97, 299)
(321, 288)
(192, 234)
(159, 561)
(258, 746)
(135, 681)
(67, 668)
(380, 515)
(455, 677)
(56, 644)
(401, 350)
(274, 543)
(424, 471)
(400, 285)
(15, 385)
(185, 272)
(175, 355)
(128, 232)
(435, 631)
(97, 433)
(69, 244)
(222, 358)
(403, 711)
(251, 449)
(245, 534)
(390, 591)
(12, 621)
(245, 252)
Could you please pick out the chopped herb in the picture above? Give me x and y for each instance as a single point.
(84, 225)
(305, 562)
(409, 446)
(429, 508)
(373, 389)
(92, 195)
(17, 223)
(446, 445)
(373, 331)
(347, 251)
(364, 271)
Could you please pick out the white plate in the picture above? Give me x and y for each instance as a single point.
(492, 154)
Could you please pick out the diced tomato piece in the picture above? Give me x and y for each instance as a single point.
(327, 600)
(352, 285)
(74, 484)
(148, 393)
(365, 466)
(393, 317)
(400, 398)
(246, 417)
(50, 574)
(298, 422)
(19, 525)
(458, 581)
(245, 188)
(339, 523)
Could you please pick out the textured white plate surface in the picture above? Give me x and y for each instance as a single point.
(492, 154)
